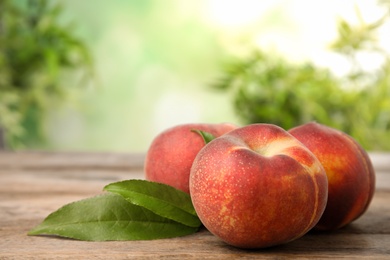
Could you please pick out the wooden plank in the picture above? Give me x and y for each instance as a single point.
(380, 160)
(31, 190)
(369, 237)
(21, 159)
(28, 159)
(80, 160)
(128, 162)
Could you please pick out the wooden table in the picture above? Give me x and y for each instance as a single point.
(34, 184)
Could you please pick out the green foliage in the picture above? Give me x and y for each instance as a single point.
(159, 198)
(133, 210)
(267, 88)
(35, 51)
(109, 217)
(206, 136)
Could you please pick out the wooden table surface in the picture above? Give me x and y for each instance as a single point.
(34, 184)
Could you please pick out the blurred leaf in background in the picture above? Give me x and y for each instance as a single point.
(35, 52)
(269, 88)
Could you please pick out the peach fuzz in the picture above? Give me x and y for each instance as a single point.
(351, 176)
(258, 186)
(171, 153)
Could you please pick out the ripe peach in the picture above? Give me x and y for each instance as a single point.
(171, 153)
(258, 186)
(351, 176)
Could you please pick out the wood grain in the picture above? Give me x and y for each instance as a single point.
(32, 185)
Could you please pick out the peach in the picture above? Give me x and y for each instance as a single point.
(351, 176)
(171, 153)
(258, 186)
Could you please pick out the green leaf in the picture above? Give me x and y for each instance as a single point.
(162, 199)
(108, 217)
(207, 137)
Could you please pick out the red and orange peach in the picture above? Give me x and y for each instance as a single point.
(171, 153)
(350, 173)
(258, 186)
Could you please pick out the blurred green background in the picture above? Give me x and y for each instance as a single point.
(97, 75)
